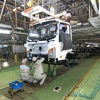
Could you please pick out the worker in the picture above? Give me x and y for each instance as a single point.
(25, 71)
(39, 75)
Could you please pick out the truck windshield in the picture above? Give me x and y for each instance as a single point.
(43, 31)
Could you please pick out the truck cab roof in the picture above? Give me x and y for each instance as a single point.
(54, 19)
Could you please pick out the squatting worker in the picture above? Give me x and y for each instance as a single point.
(25, 71)
(39, 75)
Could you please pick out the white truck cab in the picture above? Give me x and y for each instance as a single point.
(51, 39)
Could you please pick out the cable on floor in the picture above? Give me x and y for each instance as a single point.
(88, 96)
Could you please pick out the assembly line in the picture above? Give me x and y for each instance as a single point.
(49, 49)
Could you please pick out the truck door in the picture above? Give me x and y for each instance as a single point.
(65, 36)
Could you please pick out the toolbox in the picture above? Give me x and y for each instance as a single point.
(15, 86)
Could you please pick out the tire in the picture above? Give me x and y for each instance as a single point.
(65, 63)
(22, 90)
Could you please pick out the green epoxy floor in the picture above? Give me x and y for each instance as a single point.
(66, 81)
(89, 83)
(8, 75)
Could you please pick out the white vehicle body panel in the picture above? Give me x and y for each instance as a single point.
(51, 48)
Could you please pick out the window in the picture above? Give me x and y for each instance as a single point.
(64, 28)
(65, 36)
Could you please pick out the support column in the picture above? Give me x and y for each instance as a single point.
(42, 3)
(94, 4)
(49, 69)
(99, 7)
(89, 10)
(54, 69)
(2, 9)
(15, 14)
(16, 58)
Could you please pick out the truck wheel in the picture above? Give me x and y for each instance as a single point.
(65, 63)
(22, 90)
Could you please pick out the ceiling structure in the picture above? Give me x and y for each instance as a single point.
(82, 10)
(78, 7)
(11, 17)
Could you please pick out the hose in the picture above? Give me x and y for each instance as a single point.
(88, 96)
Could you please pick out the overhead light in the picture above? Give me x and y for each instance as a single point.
(22, 5)
(4, 31)
(79, 24)
(14, 9)
(19, 8)
(5, 26)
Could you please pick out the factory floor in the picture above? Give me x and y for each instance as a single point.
(80, 82)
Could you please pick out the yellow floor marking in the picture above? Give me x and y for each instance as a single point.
(74, 88)
(2, 97)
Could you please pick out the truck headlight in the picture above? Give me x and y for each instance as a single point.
(52, 53)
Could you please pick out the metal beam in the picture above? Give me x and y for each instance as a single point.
(75, 8)
(99, 7)
(2, 9)
(94, 4)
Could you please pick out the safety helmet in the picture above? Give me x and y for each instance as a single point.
(24, 60)
(34, 59)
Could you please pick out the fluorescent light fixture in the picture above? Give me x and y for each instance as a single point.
(4, 31)
(94, 4)
(18, 7)
(79, 24)
(5, 26)
(22, 5)
(14, 9)
(3, 46)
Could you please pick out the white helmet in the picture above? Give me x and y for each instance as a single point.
(24, 60)
(34, 59)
